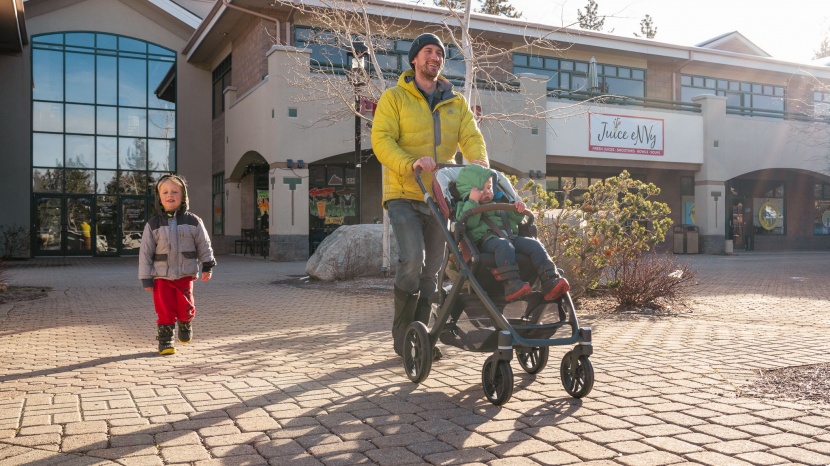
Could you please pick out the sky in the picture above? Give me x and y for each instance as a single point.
(786, 29)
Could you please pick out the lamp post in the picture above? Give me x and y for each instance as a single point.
(357, 77)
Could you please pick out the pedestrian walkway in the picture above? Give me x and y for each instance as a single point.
(285, 375)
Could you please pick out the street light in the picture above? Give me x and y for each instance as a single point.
(357, 77)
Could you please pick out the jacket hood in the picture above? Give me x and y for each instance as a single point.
(471, 176)
(158, 205)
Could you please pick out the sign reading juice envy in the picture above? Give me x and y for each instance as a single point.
(625, 135)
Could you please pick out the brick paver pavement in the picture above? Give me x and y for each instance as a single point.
(283, 375)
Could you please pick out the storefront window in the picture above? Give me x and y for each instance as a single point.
(821, 210)
(768, 218)
(219, 204)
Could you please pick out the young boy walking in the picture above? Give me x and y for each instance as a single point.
(173, 245)
(496, 232)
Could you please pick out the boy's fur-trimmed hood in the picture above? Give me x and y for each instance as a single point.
(159, 207)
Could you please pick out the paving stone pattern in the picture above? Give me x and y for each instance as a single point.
(284, 375)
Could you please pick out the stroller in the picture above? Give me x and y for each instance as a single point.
(470, 313)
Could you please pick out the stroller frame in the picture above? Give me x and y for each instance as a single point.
(529, 338)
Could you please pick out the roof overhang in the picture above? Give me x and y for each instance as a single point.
(221, 21)
(12, 27)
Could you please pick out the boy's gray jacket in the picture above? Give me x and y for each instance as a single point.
(170, 254)
(173, 254)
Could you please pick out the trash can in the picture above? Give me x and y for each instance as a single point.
(686, 239)
(692, 235)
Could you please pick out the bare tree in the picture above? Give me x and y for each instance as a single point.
(348, 23)
(647, 28)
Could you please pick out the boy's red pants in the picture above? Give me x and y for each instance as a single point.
(174, 300)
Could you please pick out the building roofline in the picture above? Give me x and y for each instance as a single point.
(518, 28)
(179, 12)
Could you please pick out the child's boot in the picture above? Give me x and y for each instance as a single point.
(514, 287)
(165, 338)
(553, 286)
(185, 332)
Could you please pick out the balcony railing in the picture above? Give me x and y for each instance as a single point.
(625, 100)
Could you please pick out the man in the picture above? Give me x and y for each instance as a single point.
(420, 123)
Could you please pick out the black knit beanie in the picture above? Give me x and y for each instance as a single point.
(421, 41)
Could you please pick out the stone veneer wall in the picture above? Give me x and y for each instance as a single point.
(288, 248)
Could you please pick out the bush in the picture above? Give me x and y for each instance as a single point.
(645, 279)
(14, 239)
(616, 221)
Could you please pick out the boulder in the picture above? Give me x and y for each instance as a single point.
(352, 251)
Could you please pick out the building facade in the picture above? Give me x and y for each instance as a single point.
(228, 95)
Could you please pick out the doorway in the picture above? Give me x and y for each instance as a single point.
(86, 225)
(63, 225)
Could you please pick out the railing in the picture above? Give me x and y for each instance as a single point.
(626, 101)
(778, 114)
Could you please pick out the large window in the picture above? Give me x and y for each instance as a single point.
(572, 75)
(745, 97)
(221, 80)
(328, 52)
(103, 113)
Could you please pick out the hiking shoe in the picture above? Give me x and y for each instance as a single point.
(185, 332)
(165, 338)
(555, 288)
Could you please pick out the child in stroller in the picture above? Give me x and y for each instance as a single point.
(496, 232)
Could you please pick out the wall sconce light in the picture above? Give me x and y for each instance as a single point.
(289, 163)
(538, 173)
(273, 180)
(535, 174)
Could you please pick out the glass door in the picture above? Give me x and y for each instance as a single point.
(63, 226)
(736, 222)
(133, 217)
(106, 226)
(79, 225)
(48, 226)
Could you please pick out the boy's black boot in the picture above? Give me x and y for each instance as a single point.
(553, 286)
(514, 287)
(165, 338)
(185, 332)
(405, 304)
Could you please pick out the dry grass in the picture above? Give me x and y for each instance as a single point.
(13, 294)
(796, 383)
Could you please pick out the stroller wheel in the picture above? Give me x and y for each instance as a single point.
(577, 379)
(417, 352)
(499, 388)
(533, 360)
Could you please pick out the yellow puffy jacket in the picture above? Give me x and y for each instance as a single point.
(405, 130)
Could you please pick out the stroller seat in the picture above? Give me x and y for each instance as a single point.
(447, 197)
